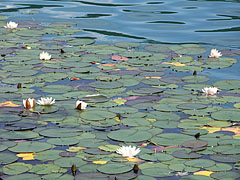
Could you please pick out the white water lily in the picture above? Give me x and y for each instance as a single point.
(128, 151)
(29, 103)
(46, 101)
(210, 91)
(81, 105)
(11, 25)
(92, 95)
(215, 53)
(45, 56)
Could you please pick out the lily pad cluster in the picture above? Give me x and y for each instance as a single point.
(144, 95)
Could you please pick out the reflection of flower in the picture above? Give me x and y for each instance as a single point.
(29, 103)
(46, 101)
(215, 53)
(210, 91)
(128, 151)
(45, 56)
(11, 25)
(81, 105)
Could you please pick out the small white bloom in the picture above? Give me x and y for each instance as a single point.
(46, 101)
(128, 151)
(29, 103)
(210, 91)
(11, 25)
(81, 105)
(45, 56)
(92, 95)
(181, 173)
(215, 53)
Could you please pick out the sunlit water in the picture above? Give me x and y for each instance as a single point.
(215, 23)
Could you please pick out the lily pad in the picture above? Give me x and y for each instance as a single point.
(128, 135)
(227, 115)
(115, 168)
(200, 163)
(24, 147)
(7, 158)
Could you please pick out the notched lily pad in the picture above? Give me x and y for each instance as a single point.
(128, 135)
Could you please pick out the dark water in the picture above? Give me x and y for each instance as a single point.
(215, 23)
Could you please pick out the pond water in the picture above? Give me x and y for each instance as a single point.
(141, 67)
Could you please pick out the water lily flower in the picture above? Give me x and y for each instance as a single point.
(215, 53)
(46, 101)
(11, 25)
(210, 91)
(128, 151)
(92, 95)
(29, 103)
(45, 56)
(81, 105)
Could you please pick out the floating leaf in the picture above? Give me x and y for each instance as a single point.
(16, 168)
(115, 168)
(28, 147)
(128, 135)
(157, 172)
(7, 158)
(201, 163)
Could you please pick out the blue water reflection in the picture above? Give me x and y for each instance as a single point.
(209, 22)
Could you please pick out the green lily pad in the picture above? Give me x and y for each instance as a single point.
(165, 124)
(106, 85)
(7, 158)
(148, 90)
(48, 155)
(227, 149)
(67, 162)
(62, 141)
(25, 176)
(47, 169)
(19, 135)
(128, 135)
(124, 110)
(92, 115)
(16, 168)
(171, 139)
(225, 158)
(219, 167)
(115, 168)
(200, 163)
(195, 144)
(196, 177)
(227, 115)
(228, 84)
(56, 89)
(135, 122)
(165, 116)
(195, 79)
(60, 132)
(191, 106)
(24, 147)
(30, 33)
(127, 44)
(185, 155)
(157, 172)
(226, 174)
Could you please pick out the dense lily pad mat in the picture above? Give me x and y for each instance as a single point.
(144, 95)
